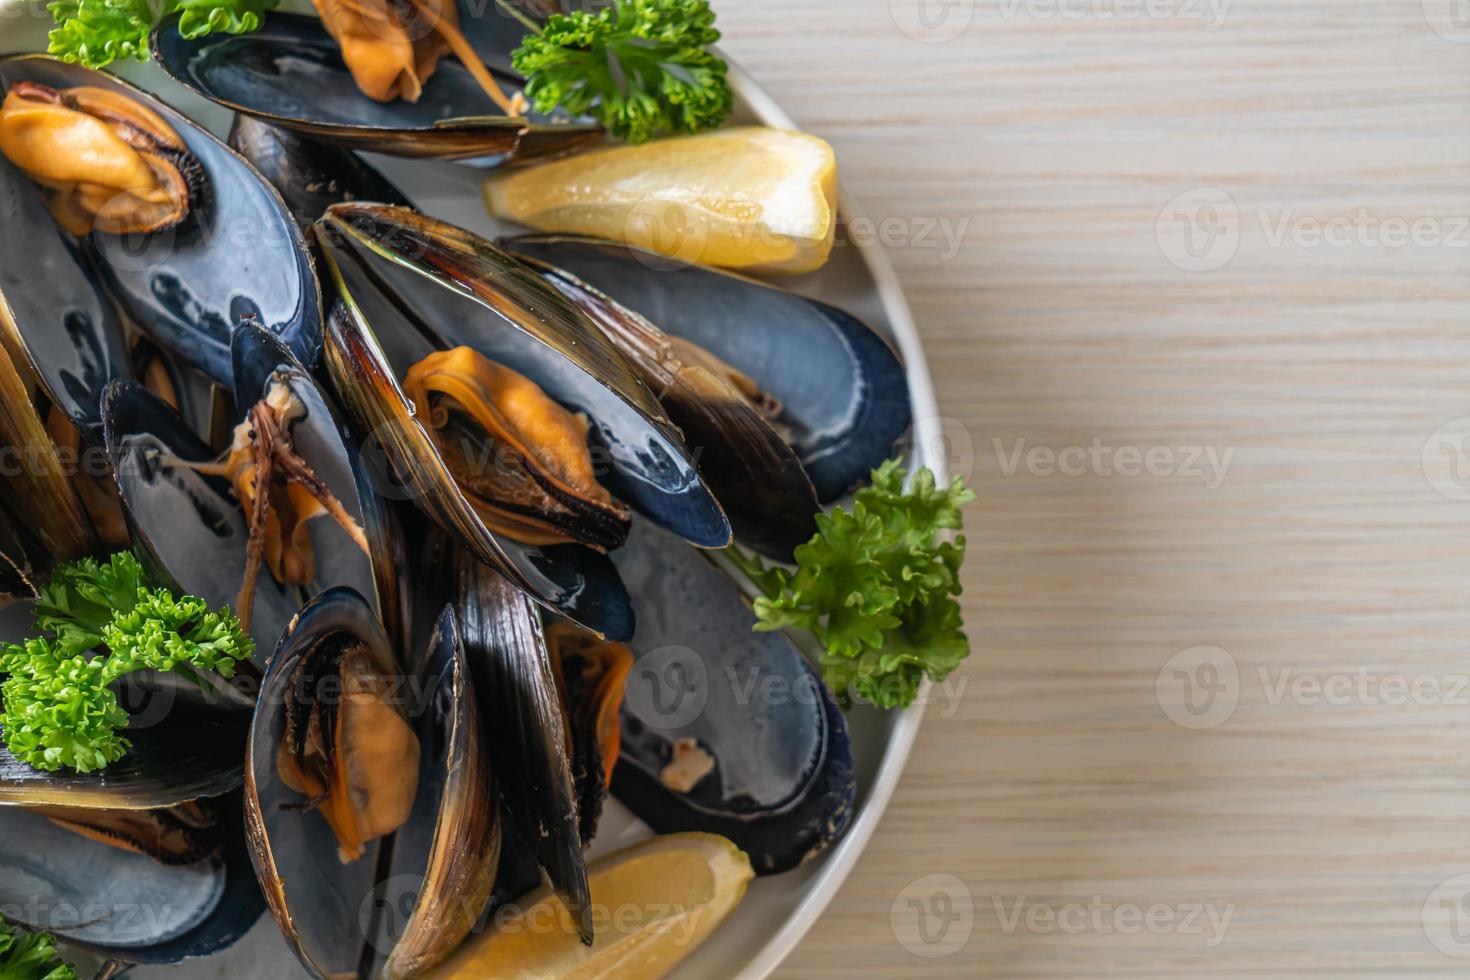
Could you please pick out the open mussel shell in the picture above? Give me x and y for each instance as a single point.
(239, 254)
(262, 361)
(125, 905)
(290, 73)
(435, 873)
(453, 288)
(507, 652)
(843, 389)
(187, 526)
(753, 471)
(371, 344)
(725, 730)
(310, 175)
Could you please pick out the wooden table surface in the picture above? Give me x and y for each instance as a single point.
(1203, 345)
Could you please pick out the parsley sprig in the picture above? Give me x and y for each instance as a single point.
(875, 586)
(96, 33)
(31, 956)
(640, 67)
(102, 621)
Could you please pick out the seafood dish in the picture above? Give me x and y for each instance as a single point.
(387, 589)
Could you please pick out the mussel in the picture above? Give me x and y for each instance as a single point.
(523, 712)
(105, 162)
(137, 886)
(187, 283)
(292, 73)
(202, 520)
(725, 730)
(368, 788)
(591, 676)
(842, 388)
(722, 412)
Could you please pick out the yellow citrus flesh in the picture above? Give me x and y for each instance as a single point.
(652, 904)
(751, 198)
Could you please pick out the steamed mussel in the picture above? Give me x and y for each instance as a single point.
(368, 787)
(107, 162)
(185, 266)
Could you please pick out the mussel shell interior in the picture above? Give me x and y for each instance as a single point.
(118, 903)
(463, 291)
(50, 304)
(373, 342)
(239, 254)
(843, 388)
(188, 524)
(783, 783)
(291, 73)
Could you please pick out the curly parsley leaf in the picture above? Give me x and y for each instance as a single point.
(96, 33)
(105, 622)
(640, 67)
(875, 586)
(31, 956)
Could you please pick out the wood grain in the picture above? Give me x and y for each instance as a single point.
(1058, 782)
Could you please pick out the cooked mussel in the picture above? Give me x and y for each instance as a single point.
(202, 519)
(240, 253)
(292, 73)
(843, 390)
(752, 469)
(153, 887)
(525, 721)
(521, 459)
(591, 675)
(368, 788)
(107, 162)
(725, 730)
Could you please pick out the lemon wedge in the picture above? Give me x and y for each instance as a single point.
(751, 198)
(652, 904)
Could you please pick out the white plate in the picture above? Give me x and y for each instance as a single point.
(778, 910)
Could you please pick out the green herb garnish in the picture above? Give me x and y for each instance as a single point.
(96, 33)
(31, 956)
(103, 622)
(875, 586)
(640, 67)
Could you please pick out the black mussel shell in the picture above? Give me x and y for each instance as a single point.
(843, 388)
(507, 653)
(782, 782)
(310, 175)
(123, 905)
(290, 73)
(239, 255)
